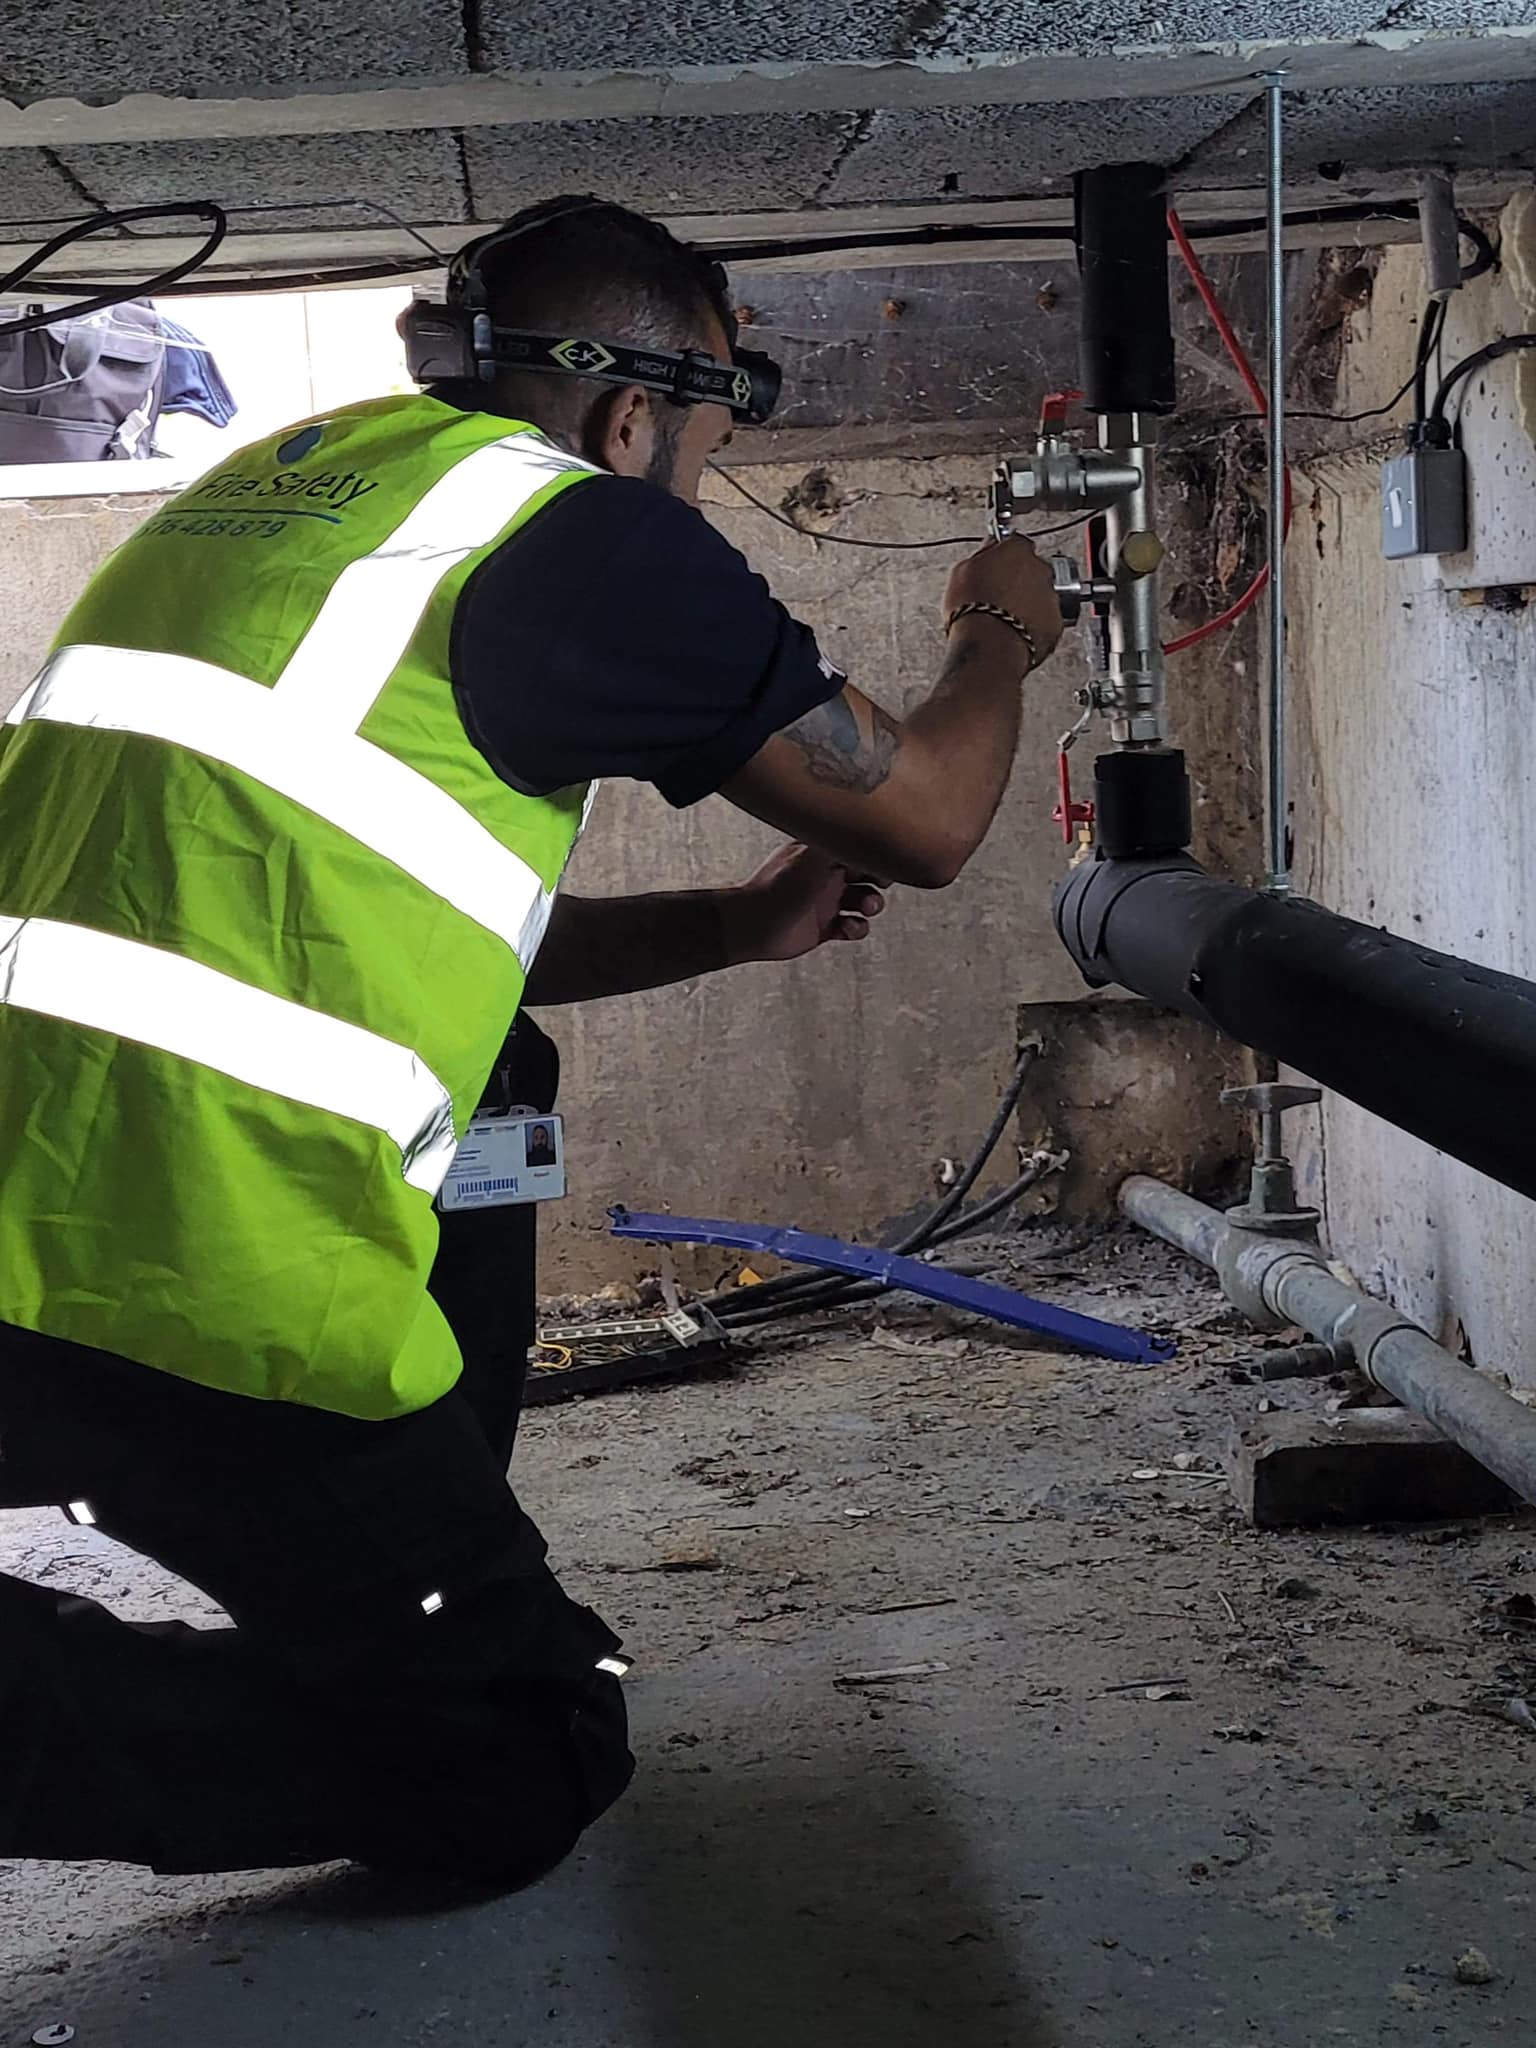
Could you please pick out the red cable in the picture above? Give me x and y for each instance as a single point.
(1213, 306)
(1236, 351)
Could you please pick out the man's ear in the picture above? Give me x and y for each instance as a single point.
(621, 431)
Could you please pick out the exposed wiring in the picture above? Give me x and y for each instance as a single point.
(938, 233)
(340, 205)
(1040, 1164)
(1430, 333)
(544, 1363)
(1485, 257)
(932, 234)
(1431, 340)
(837, 1293)
(1507, 345)
(164, 281)
(755, 1304)
(1245, 370)
(309, 280)
(1431, 329)
(1340, 419)
(1030, 1053)
(278, 281)
(845, 540)
(936, 1217)
(168, 284)
(848, 540)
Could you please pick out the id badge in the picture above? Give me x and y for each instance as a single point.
(504, 1159)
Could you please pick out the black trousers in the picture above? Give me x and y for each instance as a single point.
(404, 1683)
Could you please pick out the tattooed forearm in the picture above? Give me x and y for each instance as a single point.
(839, 753)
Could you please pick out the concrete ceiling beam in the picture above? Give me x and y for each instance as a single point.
(1381, 58)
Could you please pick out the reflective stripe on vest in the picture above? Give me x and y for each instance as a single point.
(181, 1007)
(299, 738)
(375, 605)
(339, 776)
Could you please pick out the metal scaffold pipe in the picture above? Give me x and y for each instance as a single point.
(1279, 879)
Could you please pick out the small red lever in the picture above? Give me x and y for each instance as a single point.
(1054, 408)
(1067, 814)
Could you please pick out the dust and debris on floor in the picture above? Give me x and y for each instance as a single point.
(968, 1714)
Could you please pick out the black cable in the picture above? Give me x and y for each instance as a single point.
(165, 280)
(844, 540)
(848, 540)
(279, 281)
(1371, 412)
(1485, 257)
(361, 273)
(439, 256)
(1430, 332)
(166, 286)
(233, 207)
(930, 235)
(920, 1235)
(962, 1226)
(1308, 217)
(936, 234)
(1431, 339)
(1008, 1102)
(832, 1291)
(736, 1300)
(1507, 345)
(309, 280)
(1347, 419)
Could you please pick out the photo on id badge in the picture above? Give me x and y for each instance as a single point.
(517, 1157)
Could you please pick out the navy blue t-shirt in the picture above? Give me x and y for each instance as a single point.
(618, 633)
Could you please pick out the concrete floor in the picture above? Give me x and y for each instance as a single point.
(1178, 1784)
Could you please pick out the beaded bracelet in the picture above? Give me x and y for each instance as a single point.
(996, 611)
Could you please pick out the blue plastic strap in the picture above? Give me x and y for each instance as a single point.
(981, 1297)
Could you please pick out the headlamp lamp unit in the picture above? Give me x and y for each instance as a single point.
(456, 341)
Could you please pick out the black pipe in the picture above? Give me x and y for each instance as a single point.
(1441, 1048)
(1123, 322)
(1142, 804)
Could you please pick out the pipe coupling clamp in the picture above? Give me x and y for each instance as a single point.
(1365, 1327)
(1252, 1276)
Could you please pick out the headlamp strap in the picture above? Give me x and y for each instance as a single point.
(691, 378)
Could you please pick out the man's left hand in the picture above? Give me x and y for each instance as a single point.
(797, 901)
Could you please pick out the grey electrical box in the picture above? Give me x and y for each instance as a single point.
(1424, 503)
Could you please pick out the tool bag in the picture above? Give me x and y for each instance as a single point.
(83, 388)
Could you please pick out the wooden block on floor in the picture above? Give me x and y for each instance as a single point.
(1363, 1465)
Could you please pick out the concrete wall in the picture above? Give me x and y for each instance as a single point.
(825, 1092)
(828, 1091)
(1415, 799)
(49, 549)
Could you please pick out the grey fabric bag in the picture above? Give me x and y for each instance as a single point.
(83, 388)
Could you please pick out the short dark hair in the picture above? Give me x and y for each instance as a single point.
(589, 267)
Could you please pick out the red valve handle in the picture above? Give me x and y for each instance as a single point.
(1067, 813)
(1054, 408)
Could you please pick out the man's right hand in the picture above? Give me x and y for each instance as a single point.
(1009, 574)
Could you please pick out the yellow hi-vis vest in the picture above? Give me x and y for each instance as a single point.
(266, 914)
